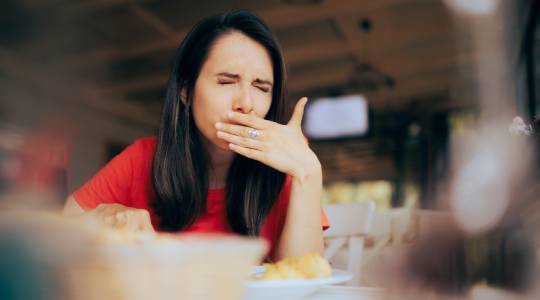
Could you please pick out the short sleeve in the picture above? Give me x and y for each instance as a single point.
(325, 224)
(112, 184)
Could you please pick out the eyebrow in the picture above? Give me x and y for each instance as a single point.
(236, 76)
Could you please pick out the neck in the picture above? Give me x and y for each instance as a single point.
(220, 161)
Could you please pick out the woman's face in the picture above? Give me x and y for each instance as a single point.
(237, 76)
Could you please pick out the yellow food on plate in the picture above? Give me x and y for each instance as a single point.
(314, 266)
(311, 265)
(280, 271)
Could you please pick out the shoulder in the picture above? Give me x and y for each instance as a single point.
(145, 142)
(143, 146)
(142, 149)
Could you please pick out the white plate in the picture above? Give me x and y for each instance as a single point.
(290, 289)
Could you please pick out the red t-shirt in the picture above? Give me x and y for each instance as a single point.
(126, 180)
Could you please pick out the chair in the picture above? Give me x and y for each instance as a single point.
(349, 224)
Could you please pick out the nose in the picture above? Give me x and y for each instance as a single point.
(243, 101)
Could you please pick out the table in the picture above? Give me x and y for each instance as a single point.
(333, 292)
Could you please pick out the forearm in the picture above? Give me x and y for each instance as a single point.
(302, 232)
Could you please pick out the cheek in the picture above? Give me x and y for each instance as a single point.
(262, 107)
(209, 107)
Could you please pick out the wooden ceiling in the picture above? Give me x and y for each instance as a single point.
(394, 51)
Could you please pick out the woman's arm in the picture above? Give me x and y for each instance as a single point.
(106, 195)
(284, 148)
(302, 232)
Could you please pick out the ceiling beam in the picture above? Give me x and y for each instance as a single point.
(310, 53)
(353, 37)
(397, 68)
(277, 18)
(139, 84)
(303, 82)
(92, 6)
(438, 57)
(152, 20)
(58, 89)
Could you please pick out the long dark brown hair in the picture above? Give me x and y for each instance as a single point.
(181, 163)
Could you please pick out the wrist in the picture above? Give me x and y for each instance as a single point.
(308, 173)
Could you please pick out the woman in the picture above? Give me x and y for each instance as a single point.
(226, 158)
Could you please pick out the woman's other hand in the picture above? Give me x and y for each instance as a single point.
(122, 217)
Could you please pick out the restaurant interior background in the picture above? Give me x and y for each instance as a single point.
(443, 80)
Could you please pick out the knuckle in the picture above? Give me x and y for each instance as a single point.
(101, 207)
(267, 135)
(144, 214)
(237, 129)
(243, 140)
(129, 214)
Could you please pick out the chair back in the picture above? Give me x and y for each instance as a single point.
(349, 224)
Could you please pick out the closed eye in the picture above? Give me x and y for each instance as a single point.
(265, 90)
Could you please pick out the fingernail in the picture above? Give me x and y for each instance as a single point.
(218, 125)
(230, 114)
(120, 216)
(220, 133)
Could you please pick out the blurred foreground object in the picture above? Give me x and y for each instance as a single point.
(33, 165)
(518, 127)
(45, 256)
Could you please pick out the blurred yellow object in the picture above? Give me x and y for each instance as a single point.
(379, 191)
(340, 192)
(311, 265)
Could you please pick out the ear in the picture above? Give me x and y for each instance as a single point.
(183, 96)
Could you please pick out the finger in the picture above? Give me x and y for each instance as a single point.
(106, 210)
(247, 152)
(109, 220)
(252, 121)
(241, 141)
(238, 130)
(102, 210)
(298, 114)
(106, 214)
(121, 219)
(132, 223)
(146, 223)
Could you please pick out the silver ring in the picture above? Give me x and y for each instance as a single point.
(254, 133)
